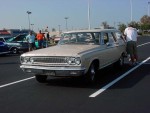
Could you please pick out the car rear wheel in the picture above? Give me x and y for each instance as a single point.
(120, 62)
(41, 78)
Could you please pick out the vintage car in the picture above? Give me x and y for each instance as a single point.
(78, 53)
(18, 44)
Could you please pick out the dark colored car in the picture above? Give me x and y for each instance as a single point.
(3, 48)
(18, 44)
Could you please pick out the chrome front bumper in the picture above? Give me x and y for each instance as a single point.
(54, 71)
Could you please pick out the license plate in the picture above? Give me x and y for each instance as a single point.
(48, 72)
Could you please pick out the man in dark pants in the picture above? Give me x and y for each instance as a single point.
(31, 40)
(131, 38)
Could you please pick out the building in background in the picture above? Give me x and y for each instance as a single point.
(13, 32)
(4, 33)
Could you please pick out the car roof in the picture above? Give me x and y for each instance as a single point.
(6, 36)
(94, 30)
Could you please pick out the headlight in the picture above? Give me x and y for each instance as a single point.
(31, 60)
(25, 59)
(21, 59)
(73, 60)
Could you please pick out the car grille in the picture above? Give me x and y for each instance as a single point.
(49, 60)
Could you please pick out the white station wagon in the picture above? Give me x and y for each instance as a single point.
(78, 53)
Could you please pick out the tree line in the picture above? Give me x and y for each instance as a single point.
(143, 25)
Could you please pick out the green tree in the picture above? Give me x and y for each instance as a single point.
(105, 24)
(145, 26)
(122, 27)
(135, 24)
(145, 19)
(145, 22)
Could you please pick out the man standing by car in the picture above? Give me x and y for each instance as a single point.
(40, 37)
(131, 38)
(31, 40)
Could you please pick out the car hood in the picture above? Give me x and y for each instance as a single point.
(62, 50)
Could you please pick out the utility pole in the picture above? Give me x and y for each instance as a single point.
(89, 23)
(66, 18)
(131, 10)
(148, 9)
(28, 12)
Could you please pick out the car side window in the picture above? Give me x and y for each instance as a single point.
(105, 38)
(112, 39)
(20, 38)
(118, 35)
(114, 36)
(16, 38)
(97, 38)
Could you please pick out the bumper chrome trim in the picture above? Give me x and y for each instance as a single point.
(59, 71)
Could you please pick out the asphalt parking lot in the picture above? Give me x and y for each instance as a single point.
(115, 91)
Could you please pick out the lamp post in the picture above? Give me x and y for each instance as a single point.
(59, 29)
(28, 12)
(148, 9)
(32, 26)
(131, 10)
(66, 23)
(89, 23)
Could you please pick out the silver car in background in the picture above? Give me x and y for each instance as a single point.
(78, 53)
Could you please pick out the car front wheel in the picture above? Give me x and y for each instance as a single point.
(91, 74)
(14, 50)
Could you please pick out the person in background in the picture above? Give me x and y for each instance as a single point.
(47, 39)
(31, 40)
(131, 38)
(47, 36)
(40, 37)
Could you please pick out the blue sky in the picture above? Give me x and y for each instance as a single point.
(51, 13)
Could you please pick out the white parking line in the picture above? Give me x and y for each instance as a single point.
(117, 79)
(143, 44)
(16, 82)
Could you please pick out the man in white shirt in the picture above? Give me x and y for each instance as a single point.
(131, 38)
(31, 40)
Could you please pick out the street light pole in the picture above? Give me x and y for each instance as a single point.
(28, 12)
(148, 9)
(32, 26)
(59, 29)
(66, 23)
(131, 10)
(89, 23)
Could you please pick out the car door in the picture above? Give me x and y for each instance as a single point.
(22, 40)
(114, 45)
(108, 54)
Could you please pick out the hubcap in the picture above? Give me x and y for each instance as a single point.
(92, 73)
(121, 61)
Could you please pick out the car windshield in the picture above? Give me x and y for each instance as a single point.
(7, 39)
(10, 39)
(77, 38)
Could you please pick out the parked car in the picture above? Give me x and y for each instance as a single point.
(78, 53)
(3, 48)
(56, 39)
(18, 44)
